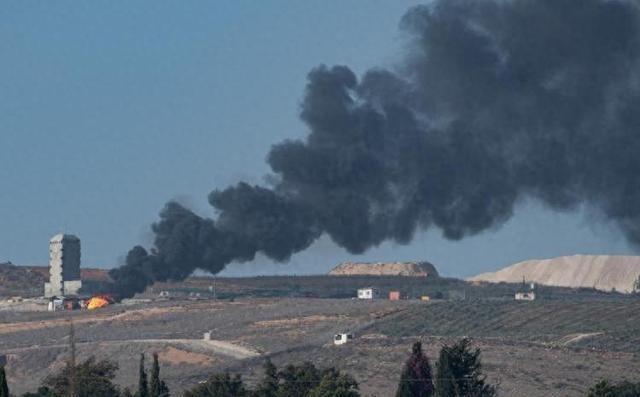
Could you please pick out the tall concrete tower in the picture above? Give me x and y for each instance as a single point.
(64, 266)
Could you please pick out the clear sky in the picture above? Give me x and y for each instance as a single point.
(110, 108)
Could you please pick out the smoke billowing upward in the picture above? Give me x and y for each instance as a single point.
(495, 100)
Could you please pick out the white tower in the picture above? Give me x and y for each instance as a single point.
(64, 266)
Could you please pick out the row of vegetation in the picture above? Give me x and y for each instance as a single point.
(547, 321)
(322, 286)
(458, 373)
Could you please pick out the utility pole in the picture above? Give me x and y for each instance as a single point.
(72, 361)
(212, 288)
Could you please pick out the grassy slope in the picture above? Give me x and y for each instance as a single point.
(540, 321)
(346, 286)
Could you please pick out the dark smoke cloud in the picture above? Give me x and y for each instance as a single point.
(496, 100)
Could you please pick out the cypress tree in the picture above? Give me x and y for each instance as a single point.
(445, 384)
(157, 387)
(4, 388)
(143, 385)
(416, 380)
(268, 387)
(154, 384)
(459, 372)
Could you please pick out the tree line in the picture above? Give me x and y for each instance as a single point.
(458, 373)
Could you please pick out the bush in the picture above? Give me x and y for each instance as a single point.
(606, 389)
(94, 379)
(335, 384)
(219, 385)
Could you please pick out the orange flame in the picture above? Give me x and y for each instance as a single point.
(97, 302)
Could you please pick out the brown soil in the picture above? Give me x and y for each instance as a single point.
(286, 322)
(174, 356)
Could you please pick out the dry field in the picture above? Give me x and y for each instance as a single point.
(553, 348)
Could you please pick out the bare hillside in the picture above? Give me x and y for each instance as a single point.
(546, 348)
(603, 272)
(28, 281)
(416, 269)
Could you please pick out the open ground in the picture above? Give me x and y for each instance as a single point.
(550, 347)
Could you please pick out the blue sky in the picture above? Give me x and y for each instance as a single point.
(110, 108)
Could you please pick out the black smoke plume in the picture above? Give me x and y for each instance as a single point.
(494, 101)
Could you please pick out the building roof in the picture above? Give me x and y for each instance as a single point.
(63, 237)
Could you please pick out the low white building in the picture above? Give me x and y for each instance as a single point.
(342, 338)
(55, 305)
(525, 296)
(368, 293)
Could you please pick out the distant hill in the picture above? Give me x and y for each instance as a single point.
(29, 280)
(88, 274)
(603, 272)
(414, 269)
(17, 280)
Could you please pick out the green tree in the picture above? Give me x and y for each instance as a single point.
(445, 383)
(157, 386)
(95, 379)
(416, 379)
(127, 392)
(459, 372)
(605, 388)
(602, 389)
(297, 381)
(43, 391)
(4, 388)
(335, 384)
(219, 385)
(268, 386)
(143, 384)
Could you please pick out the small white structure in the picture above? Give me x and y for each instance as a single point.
(55, 305)
(525, 296)
(342, 338)
(368, 293)
(207, 335)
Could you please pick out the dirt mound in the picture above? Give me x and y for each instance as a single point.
(412, 269)
(603, 272)
(176, 356)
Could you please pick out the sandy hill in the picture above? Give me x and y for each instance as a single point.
(603, 272)
(415, 269)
